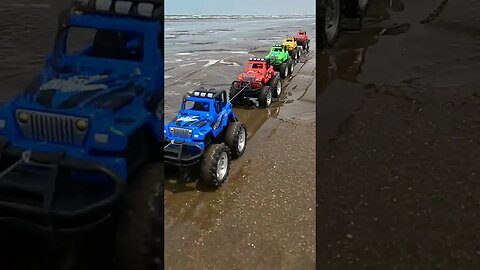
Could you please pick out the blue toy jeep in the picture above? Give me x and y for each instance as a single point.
(71, 144)
(205, 132)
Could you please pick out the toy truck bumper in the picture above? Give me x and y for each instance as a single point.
(302, 42)
(248, 89)
(182, 154)
(37, 196)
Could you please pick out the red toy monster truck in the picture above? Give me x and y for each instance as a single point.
(302, 40)
(259, 80)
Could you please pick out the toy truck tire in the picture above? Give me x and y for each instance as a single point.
(139, 233)
(211, 163)
(293, 54)
(284, 70)
(276, 85)
(236, 139)
(298, 53)
(265, 96)
(238, 99)
(291, 66)
(327, 40)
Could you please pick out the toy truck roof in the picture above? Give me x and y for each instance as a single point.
(257, 59)
(204, 93)
(144, 9)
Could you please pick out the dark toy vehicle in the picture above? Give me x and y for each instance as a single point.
(333, 12)
(302, 40)
(259, 80)
(280, 59)
(205, 132)
(72, 143)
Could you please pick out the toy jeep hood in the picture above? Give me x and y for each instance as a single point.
(73, 91)
(190, 120)
(251, 75)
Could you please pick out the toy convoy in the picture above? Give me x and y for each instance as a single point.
(72, 143)
(205, 132)
(258, 81)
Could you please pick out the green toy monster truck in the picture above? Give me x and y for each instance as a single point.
(280, 59)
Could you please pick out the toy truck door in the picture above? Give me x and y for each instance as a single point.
(219, 107)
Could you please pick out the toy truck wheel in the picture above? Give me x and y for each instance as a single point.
(236, 139)
(291, 65)
(265, 97)
(293, 54)
(298, 53)
(330, 21)
(276, 84)
(139, 233)
(215, 165)
(237, 99)
(284, 70)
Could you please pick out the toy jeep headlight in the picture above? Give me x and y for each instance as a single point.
(171, 130)
(81, 124)
(23, 117)
(190, 132)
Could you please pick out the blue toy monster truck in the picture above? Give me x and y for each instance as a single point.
(205, 132)
(71, 143)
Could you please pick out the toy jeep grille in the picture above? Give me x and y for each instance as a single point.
(181, 132)
(54, 128)
(249, 78)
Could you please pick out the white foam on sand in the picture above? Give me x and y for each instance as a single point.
(232, 64)
(184, 53)
(189, 64)
(210, 62)
(166, 77)
(173, 93)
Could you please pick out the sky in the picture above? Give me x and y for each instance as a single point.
(239, 7)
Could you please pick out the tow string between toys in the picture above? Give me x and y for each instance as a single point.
(24, 159)
(249, 83)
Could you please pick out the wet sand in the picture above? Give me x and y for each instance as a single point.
(398, 146)
(263, 217)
